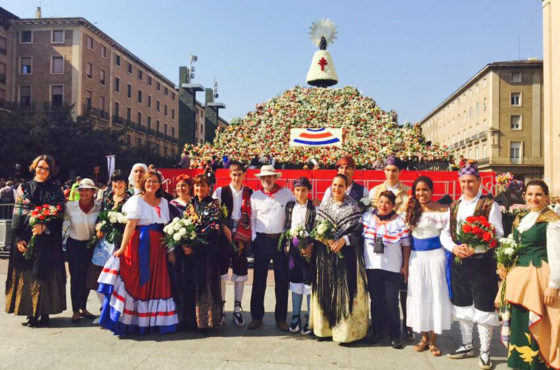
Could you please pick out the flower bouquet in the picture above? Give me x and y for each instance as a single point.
(180, 231)
(108, 220)
(364, 204)
(299, 238)
(478, 234)
(324, 232)
(516, 209)
(41, 215)
(506, 258)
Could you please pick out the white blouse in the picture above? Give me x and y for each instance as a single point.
(137, 208)
(552, 245)
(82, 225)
(430, 224)
(395, 235)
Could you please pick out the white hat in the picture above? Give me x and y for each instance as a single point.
(87, 184)
(268, 170)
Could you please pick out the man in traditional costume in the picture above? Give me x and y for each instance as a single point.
(473, 281)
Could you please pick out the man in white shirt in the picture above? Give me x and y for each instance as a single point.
(346, 166)
(268, 217)
(236, 198)
(474, 283)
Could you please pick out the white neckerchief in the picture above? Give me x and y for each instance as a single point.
(528, 221)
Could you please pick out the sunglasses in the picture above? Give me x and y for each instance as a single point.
(44, 168)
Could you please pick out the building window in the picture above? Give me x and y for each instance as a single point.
(149, 80)
(139, 118)
(139, 96)
(89, 69)
(102, 104)
(173, 132)
(103, 51)
(515, 152)
(130, 68)
(88, 99)
(516, 77)
(484, 82)
(57, 36)
(128, 139)
(57, 64)
(102, 77)
(172, 113)
(117, 84)
(2, 73)
(165, 109)
(149, 122)
(25, 65)
(515, 99)
(157, 105)
(166, 91)
(515, 122)
(470, 112)
(56, 95)
(165, 128)
(129, 90)
(25, 37)
(139, 141)
(484, 152)
(149, 101)
(25, 95)
(118, 60)
(157, 125)
(116, 110)
(165, 151)
(128, 114)
(140, 75)
(477, 108)
(89, 42)
(158, 86)
(172, 96)
(3, 46)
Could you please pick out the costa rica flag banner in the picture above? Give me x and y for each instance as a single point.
(316, 137)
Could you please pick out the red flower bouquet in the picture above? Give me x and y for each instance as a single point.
(478, 234)
(41, 215)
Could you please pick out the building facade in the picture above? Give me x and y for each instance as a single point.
(60, 61)
(495, 118)
(551, 65)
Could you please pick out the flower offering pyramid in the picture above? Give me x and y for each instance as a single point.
(369, 133)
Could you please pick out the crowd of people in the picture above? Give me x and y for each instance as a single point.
(369, 133)
(351, 256)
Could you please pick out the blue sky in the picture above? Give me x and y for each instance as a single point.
(408, 55)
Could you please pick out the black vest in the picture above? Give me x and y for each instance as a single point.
(309, 215)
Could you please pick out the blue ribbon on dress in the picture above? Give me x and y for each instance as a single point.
(449, 258)
(144, 250)
(427, 244)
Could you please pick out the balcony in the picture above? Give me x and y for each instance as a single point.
(481, 136)
(141, 128)
(99, 113)
(117, 120)
(461, 142)
(151, 132)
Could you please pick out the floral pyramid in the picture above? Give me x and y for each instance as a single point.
(369, 133)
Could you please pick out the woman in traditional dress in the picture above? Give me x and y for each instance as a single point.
(428, 305)
(386, 254)
(532, 285)
(112, 201)
(181, 264)
(136, 174)
(36, 287)
(200, 266)
(135, 279)
(82, 215)
(339, 301)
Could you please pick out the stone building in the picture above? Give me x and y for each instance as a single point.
(60, 61)
(496, 118)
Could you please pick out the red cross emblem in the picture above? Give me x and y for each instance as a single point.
(322, 63)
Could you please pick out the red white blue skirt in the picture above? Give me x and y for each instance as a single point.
(137, 289)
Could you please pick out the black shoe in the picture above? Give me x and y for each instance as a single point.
(465, 351)
(237, 316)
(396, 343)
(306, 330)
(484, 361)
(408, 334)
(31, 322)
(45, 321)
(295, 325)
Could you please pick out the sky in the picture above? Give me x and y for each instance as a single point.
(408, 55)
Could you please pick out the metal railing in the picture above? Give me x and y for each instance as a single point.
(6, 211)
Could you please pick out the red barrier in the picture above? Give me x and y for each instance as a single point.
(445, 182)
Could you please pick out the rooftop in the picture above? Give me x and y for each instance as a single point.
(527, 63)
